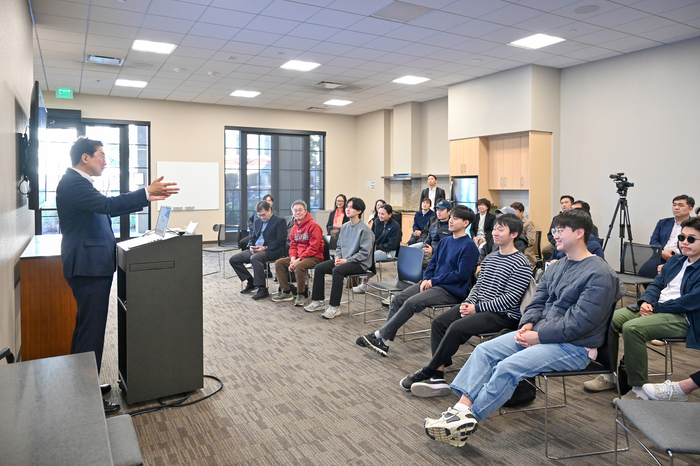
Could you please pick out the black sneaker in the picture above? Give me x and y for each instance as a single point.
(376, 344)
(361, 342)
(431, 387)
(261, 293)
(409, 380)
(248, 288)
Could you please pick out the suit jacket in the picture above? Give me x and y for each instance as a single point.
(488, 225)
(275, 236)
(88, 246)
(439, 195)
(661, 233)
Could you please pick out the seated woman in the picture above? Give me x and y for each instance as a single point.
(338, 216)
(375, 213)
(387, 234)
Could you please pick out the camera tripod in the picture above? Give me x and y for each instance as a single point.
(623, 209)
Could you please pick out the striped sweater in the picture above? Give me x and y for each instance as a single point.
(501, 284)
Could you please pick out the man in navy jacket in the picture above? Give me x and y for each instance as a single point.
(88, 246)
(268, 241)
(667, 229)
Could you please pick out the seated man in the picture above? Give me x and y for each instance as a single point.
(529, 231)
(305, 252)
(267, 243)
(489, 246)
(243, 242)
(438, 228)
(559, 331)
(666, 233)
(387, 239)
(565, 202)
(593, 245)
(586, 207)
(420, 220)
(445, 281)
(667, 309)
(672, 391)
(493, 305)
(352, 257)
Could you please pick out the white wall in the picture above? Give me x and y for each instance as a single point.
(435, 144)
(16, 221)
(373, 151)
(638, 114)
(195, 132)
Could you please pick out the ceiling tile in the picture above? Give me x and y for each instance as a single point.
(113, 30)
(160, 36)
(386, 44)
(61, 8)
(248, 6)
(137, 6)
(176, 9)
(673, 33)
(264, 23)
(61, 36)
(646, 24)
(189, 63)
(214, 31)
(559, 62)
(182, 51)
(365, 53)
(569, 10)
(206, 43)
(475, 28)
(474, 8)
(686, 13)
(450, 55)
(543, 23)
(243, 48)
(656, 7)
(113, 16)
(510, 15)
(475, 46)
(599, 37)
(629, 44)
(356, 39)
(162, 23)
(335, 49)
(313, 31)
(62, 47)
(396, 58)
(226, 17)
(290, 10)
(105, 41)
(295, 43)
(439, 20)
(612, 19)
(333, 18)
(257, 37)
(60, 22)
(374, 26)
(361, 7)
(412, 33)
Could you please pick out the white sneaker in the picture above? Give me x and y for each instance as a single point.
(667, 391)
(331, 311)
(359, 289)
(315, 306)
(631, 395)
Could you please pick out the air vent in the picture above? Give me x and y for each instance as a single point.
(317, 109)
(111, 61)
(329, 85)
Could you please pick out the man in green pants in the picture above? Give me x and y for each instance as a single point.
(669, 308)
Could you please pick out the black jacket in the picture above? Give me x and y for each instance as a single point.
(436, 231)
(329, 224)
(439, 196)
(388, 237)
(275, 236)
(488, 226)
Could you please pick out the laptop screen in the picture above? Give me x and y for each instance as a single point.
(163, 217)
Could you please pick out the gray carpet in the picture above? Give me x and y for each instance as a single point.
(299, 391)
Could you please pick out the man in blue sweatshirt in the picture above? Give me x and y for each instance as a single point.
(445, 281)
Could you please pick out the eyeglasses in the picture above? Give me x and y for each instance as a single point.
(690, 239)
(557, 231)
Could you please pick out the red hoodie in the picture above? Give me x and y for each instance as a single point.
(306, 239)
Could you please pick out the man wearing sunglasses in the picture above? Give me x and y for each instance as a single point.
(667, 309)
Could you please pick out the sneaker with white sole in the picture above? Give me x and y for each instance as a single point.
(283, 296)
(667, 391)
(408, 381)
(377, 344)
(452, 427)
(314, 306)
(599, 384)
(360, 289)
(431, 387)
(300, 300)
(631, 395)
(331, 311)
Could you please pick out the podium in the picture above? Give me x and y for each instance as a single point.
(160, 336)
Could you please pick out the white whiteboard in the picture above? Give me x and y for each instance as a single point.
(198, 183)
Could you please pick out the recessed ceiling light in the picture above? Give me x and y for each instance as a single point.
(298, 65)
(537, 41)
(337, 103)
(130, 83)
(155, 47)
(410, 80)
(477, 60)
(242, 93)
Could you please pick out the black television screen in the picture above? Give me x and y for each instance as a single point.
(37, 119)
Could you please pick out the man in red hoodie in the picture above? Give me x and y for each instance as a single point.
(305, 252)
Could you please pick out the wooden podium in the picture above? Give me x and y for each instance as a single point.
(161, 342)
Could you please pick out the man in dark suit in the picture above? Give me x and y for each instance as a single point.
(666, 233)
(88, 246)
(267, 243)
(432, 192)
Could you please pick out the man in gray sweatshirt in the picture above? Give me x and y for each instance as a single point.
(353, 256)
(560, 330)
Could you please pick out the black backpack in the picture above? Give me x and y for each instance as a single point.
(524, 393)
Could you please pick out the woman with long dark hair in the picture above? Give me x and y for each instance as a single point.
(338, 216)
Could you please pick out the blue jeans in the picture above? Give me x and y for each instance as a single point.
(381, 256)
(495, 367)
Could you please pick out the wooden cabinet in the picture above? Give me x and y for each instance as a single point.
(464, 157)
(509, 163)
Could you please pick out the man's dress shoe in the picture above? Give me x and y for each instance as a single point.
(111, 408)
(105, 388)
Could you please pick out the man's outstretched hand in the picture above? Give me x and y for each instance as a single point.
(160, 191)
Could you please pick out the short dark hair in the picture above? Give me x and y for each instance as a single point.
(83, 146)
(387, 208)
(585, 206)
(262, 205)
(484, 201)
(511, 221)
(268, 196)
(357, 204)
(692, 222)
(518, 206)
(575, 219)
(427, 199)
(684, 197)
(463, 212)
(566, 196)
(430, 176)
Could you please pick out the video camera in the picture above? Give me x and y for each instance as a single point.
(621, 183)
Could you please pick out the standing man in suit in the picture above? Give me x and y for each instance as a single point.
(88, 246)
(666, 233)
(432, 192)
(267, 243)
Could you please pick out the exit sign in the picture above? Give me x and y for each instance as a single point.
(64, 93)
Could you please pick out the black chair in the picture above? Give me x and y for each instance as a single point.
(667, 354)
(640, 263)
(605, 363)
(410, 271)
(226, 241)
(673, 427)
(6, 354)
